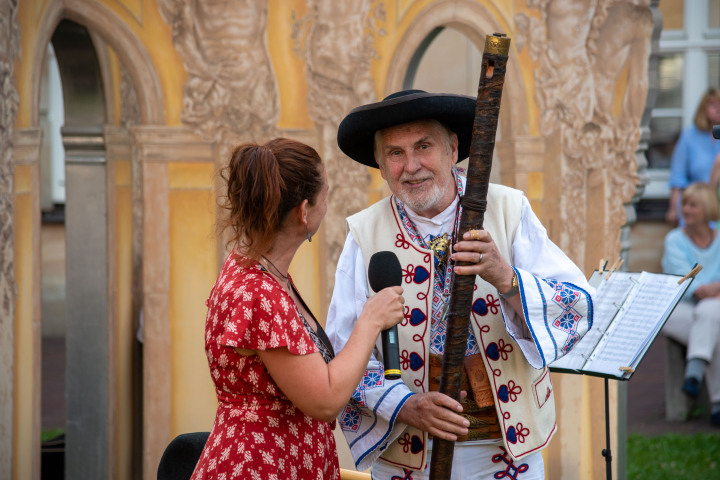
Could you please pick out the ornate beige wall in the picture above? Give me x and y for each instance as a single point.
(590, 88)
(186, 81)
(9, 50)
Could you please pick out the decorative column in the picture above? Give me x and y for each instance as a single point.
(89, 388)
(24, 339)
(9, 50)
(159, 148)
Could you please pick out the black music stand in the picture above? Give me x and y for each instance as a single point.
(631, 309)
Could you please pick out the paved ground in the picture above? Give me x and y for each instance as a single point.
(53, 383)
(646, 400)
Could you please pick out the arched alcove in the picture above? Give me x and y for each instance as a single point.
(475, 22)
(448, 61)
(82, 83)
(101, 21)
(88, 392)
(430, 39)
(87, 37)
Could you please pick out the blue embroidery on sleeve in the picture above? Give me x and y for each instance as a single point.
(391, 423)
(566, 296)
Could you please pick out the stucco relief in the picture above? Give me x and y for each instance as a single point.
(582, 48)
(130, 116)
(230, 95)
(9, 101)
(333, 41)
(129, 107)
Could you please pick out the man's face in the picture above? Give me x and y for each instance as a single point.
(416, 160)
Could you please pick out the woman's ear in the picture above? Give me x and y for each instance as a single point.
(303, 212)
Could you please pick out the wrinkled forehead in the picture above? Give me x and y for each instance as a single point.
(416, 129)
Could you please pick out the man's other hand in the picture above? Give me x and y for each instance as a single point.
(435, 413)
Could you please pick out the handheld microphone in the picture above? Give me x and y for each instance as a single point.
(716, 131)
(385, 271)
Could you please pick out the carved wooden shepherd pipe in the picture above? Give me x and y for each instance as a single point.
(474, 202)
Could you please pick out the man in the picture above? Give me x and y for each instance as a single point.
(530, 306)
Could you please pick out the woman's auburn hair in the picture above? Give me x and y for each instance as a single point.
(707, 196)
(262, 184)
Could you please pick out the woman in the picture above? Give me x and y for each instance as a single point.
(695, 322)
(278, 382)
(694, 152)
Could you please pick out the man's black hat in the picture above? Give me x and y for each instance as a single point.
(356, 133)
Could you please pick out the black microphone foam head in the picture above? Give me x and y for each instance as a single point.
(716, 131)
(384, 271)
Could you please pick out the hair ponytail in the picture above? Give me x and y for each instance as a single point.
(263, 183)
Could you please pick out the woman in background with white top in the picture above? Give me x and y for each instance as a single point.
(695, 322)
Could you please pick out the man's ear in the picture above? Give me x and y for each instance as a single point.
(454, 147)
(382, 170)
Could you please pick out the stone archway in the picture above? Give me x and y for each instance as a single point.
(475, 22)
(89, 148)
(88, 318)
(101, 21)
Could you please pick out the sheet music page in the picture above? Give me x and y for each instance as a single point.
(610, 294)
(637, 323)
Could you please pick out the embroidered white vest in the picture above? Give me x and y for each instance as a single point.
(523, 395)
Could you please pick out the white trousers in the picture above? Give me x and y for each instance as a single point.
(472, 462)
(698, 327)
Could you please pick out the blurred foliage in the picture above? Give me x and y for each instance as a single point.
(47, 435)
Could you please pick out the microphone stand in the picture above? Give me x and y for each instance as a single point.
(606, 451)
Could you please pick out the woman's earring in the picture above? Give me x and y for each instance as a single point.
(307, 232)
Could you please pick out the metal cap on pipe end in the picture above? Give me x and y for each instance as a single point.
(497, 43)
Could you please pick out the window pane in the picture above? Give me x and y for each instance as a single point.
(672, 13)
(714, 13)
(664, 132)
(714, 69)
(670, 81)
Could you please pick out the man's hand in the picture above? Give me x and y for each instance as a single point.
(435, 413)
(478, 248)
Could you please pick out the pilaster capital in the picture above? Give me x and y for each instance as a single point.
(26, 144)
(162, 144)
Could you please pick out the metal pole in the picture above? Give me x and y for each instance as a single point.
(606, 451)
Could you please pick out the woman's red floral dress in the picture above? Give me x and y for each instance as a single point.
(258, 432)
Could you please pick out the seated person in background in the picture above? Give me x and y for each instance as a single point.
(694, 152)
(278, 382)
(695, 322)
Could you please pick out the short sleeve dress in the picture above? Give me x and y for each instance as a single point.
(258, 433)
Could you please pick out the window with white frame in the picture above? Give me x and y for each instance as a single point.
(689, 63)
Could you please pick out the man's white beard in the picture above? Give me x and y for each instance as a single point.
(428, 201)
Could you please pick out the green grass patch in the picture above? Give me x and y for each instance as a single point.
(51, 433)
(672, 456)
